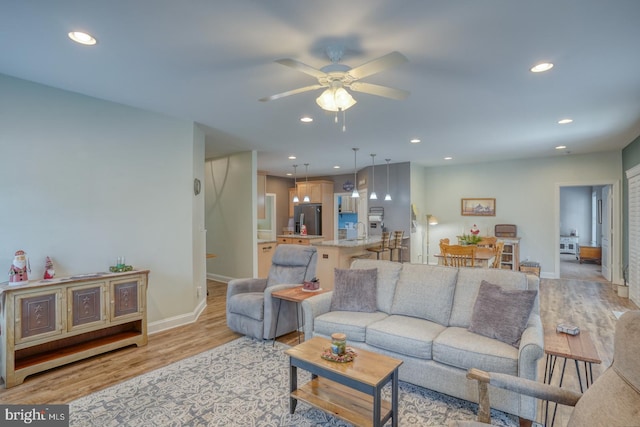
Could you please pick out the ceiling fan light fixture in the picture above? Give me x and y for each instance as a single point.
(335, 99)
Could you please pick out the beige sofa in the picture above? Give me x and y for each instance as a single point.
(422, 317)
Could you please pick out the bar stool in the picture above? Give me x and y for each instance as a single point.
(397, 244)
(384, 245)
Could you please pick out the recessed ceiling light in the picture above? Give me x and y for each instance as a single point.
(565, 121)
(82, 38)
(292, 157)
(541, 67)
(306, 119)
(448, 158)
(414, 141)
(561, 147)
(336, 167)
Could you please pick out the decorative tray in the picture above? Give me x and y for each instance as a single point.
(311, 290)
(116, 269)
(348, 356)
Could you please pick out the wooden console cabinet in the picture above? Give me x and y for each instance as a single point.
(49, 323)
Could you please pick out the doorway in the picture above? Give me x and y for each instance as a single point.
(585, 219)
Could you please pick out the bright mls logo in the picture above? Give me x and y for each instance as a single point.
(34, 415)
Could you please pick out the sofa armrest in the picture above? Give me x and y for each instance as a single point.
(241, 286)
(312, 308)
(531, 348)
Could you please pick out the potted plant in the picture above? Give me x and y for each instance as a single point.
(470, 239)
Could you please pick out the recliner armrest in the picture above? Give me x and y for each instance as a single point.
(241, 286)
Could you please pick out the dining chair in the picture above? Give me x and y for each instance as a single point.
(497, 260)
(488, 242)
(396, 244)
(458, 255)
(384, 245)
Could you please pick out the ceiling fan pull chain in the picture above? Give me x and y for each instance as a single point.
(344, 121)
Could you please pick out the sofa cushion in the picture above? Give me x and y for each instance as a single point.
(404, 335)
(388, 274)
(467, 287)
(463, 349)
(354, 290)
(425, 291)
(250, 304)
(501, 313)
(352, 323)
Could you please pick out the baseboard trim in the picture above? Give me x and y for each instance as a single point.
(174, 322)
(219, 278)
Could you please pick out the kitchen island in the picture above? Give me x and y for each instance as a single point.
(334, 254)
(298, 239)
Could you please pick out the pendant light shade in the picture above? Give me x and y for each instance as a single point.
(373, 195)
(295, 184)
(388, 196)
(355, 193)
(306, 187)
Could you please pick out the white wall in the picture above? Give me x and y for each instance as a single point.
(85, 180)
(526, 193)
(575, 213)
(231, 216)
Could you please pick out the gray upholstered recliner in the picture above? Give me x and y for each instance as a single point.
(252, 311)
(612, 400)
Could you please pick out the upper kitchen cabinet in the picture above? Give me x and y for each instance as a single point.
(262, 191)
(292, 204)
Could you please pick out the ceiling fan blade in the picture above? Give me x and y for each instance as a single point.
(376, 65)
(291, 92)
(297, 65)
(387, 92)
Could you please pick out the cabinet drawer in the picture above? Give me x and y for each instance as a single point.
(38, 315)
(284, 240)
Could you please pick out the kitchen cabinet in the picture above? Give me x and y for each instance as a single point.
(265, 255)
(511, 253)
(348, 204)
(46, 324)
(299, 240)
(292, 204)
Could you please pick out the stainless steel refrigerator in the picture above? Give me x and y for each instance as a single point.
(311, 216)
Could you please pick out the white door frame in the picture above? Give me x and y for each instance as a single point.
(615, 265)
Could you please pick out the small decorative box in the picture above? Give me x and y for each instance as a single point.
(567, 329)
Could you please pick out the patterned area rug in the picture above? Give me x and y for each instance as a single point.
(243, 383)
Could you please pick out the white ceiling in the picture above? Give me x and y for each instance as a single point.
(472, 96)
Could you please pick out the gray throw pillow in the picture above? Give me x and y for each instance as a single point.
(500, 313)
(355, 290)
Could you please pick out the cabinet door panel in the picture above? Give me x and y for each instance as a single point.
(125, 300)
(87, 306)
(38, 316)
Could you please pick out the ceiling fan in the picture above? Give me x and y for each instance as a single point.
(336, 78)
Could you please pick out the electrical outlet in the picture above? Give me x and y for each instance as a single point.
(198, 291)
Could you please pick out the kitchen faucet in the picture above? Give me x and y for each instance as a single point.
(358, 229)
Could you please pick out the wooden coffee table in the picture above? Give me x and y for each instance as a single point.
(350, 391)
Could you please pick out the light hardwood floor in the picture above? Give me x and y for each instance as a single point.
(584, 303)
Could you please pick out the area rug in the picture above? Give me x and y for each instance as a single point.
(243, 383)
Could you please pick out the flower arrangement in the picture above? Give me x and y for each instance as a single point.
(470, 239)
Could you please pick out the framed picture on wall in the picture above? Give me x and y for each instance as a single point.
(478, 207)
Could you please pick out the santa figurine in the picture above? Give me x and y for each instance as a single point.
(49, 272)
(18, 270)
(475, 230)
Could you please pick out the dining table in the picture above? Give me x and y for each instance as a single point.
(484, 257)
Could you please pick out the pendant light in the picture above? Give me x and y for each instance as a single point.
(295, 184)
(306, 189)
(355, 193)
(388, 196)
(373, 195)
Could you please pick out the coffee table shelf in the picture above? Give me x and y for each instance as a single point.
(342, 401)
(350, 391)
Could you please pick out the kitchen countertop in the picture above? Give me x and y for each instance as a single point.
(350, 243)
(267, 241)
